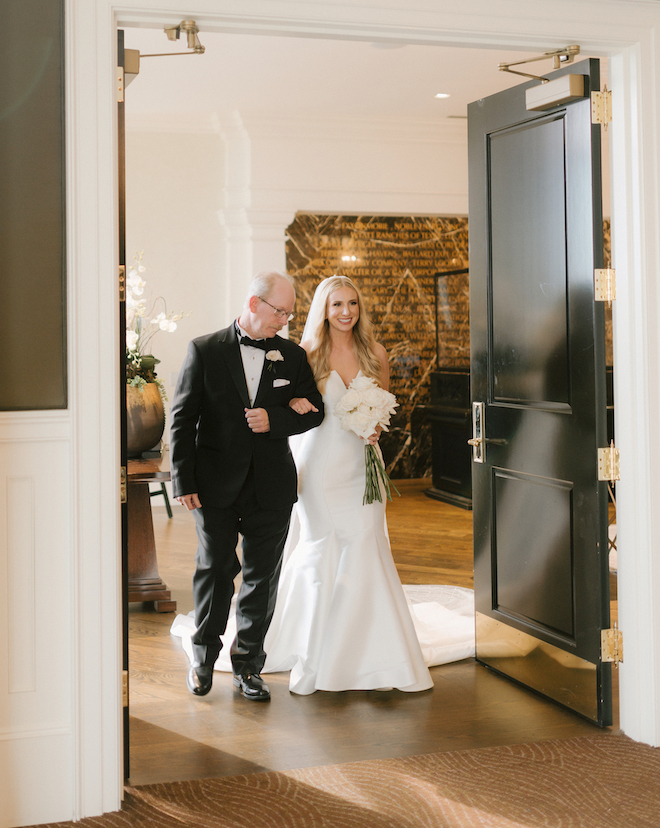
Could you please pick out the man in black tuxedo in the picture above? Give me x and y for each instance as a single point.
(231, 464)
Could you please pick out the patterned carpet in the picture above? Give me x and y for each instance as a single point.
(590, 782)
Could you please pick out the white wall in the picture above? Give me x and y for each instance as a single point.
(174, 189)
(211, 207)
(341, 165)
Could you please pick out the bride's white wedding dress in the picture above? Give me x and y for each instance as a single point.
(342, 621)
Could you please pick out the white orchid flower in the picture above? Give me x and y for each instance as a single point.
(164, 322)
(131, 340)
(135, 284)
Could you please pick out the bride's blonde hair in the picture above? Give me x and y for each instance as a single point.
(317, 333)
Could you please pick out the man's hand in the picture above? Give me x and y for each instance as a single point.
(257, 420)
(190, 501)
(301, 405)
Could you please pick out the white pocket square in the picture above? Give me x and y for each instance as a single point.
(278, 383)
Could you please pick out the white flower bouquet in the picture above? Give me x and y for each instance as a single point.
(363, 407)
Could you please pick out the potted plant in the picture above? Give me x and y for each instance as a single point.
(145, 393)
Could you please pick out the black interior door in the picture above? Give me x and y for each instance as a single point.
(539, 395)
(121, 165)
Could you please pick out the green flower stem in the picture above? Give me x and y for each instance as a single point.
(375, 472)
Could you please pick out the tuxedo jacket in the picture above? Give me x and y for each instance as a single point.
(211, 444)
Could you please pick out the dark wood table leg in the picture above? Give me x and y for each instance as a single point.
(144, 582)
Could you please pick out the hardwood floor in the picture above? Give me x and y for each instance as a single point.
(175, 736)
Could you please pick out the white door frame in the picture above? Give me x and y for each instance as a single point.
(623, 30)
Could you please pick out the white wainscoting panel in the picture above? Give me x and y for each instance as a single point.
(21, 599)
(36, 712)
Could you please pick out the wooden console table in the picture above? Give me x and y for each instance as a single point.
(144, 582)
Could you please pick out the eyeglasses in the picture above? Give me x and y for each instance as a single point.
(279, 313)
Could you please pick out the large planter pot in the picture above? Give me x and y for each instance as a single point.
(145, 418)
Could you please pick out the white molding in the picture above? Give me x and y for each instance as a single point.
(55, 416)
(35, 426)
(8, 734)
(92, 255)
(192, 123)
(270, 225)
(440, 22)
(233, 217)
(21, 602)
(387, 130)
(635, 182)
(362, 202)
(383, 130)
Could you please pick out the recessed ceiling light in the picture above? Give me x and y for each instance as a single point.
(443, 95)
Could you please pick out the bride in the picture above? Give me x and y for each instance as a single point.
(342, 621)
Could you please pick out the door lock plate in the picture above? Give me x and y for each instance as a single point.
(477, 441)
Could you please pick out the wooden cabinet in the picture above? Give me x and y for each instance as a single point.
(451, 426)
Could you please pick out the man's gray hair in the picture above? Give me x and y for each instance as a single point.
(263, 283)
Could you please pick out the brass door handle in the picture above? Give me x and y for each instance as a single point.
(475, 441)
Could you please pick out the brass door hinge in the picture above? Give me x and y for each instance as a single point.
(601, 107)
(120, 84)
(611, 645)
(608, 463)
(605, 285)
(122, 283)
(124, 687)
(122, 485)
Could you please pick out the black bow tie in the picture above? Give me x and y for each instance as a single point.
(253, 343)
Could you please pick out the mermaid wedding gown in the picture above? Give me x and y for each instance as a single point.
(342, 620)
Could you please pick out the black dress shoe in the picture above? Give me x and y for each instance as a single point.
(252, 686)
(199, 680)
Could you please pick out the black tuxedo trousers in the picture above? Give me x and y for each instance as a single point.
(264, 532)
(246, 483)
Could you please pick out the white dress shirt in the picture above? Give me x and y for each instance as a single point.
(253, 365)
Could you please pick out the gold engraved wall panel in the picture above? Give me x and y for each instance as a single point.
(394, 260)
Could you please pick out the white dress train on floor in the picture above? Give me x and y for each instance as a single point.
(342, 620)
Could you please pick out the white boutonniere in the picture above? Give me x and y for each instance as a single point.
(273, 356)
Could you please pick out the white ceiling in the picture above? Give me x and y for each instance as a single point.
(305, 78)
